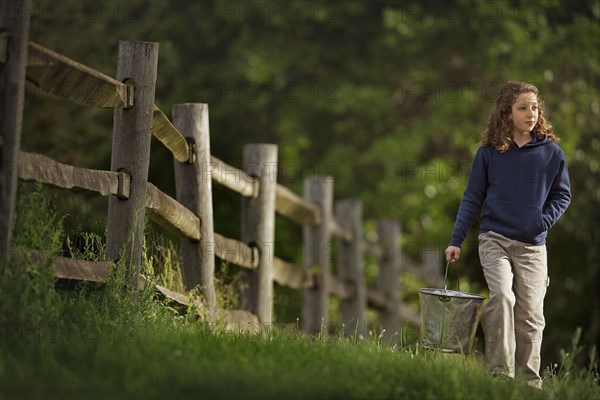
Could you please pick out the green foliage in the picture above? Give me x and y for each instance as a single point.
(27, 296)
(409, 288)
(228, 286)
(161, 259)
(93, 247)
(38, 225)
(571, 365)
(570, 372)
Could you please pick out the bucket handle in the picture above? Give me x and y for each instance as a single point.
(446, 277)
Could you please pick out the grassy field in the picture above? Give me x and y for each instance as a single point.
(109, 342)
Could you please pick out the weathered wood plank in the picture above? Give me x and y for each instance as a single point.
(377, 300)
(162, 208)
(409, 315)
(69, 268)
(235, 252)
(290, 275)
(169, 136)
(4, 46)
(132, 135)
(350, 267)
(60, 76)
(339, 231)
(39, 168)
(194, 191)
(258, 228)
(295, 207)
(372, 248)
(232, 178)
(14, 21)
(179, 300)
(94, 271)
(317, 253)
(170, 214)
(388, 233)
(432, 267)
(338, 288)
(287, 203)
(100, 271)
(240, 321)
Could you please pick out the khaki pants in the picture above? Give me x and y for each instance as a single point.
(513, 318)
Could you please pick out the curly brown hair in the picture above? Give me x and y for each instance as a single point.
(498, 133)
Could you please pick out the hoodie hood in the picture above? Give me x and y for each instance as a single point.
(535, 140)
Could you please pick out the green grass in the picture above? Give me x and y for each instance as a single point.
(89, 342)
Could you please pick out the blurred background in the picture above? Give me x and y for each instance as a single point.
(389, 97)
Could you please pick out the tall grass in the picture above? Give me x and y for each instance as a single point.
(90, 342)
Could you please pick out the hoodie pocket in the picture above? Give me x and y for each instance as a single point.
(517, 219)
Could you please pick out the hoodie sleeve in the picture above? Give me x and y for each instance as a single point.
(559, 196)
(473, 198)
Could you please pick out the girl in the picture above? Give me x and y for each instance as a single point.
(520, 184)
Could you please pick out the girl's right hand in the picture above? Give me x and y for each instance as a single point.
(452, 253)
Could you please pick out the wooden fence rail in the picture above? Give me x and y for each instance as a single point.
(190, 215)
(36, 167)
(62, 77)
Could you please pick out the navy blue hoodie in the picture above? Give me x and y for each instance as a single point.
(522, 191)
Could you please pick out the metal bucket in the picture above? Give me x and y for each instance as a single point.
(449, 318)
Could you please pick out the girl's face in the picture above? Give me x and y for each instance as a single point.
(525, 113)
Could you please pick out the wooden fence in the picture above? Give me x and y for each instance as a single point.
(132, 198)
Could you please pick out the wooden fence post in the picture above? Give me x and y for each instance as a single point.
(317, 252)
(432, 266)
(258, 229)
(350, 268)
(193, 185)
(132, 133)
(14, 21)
(388, 232)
